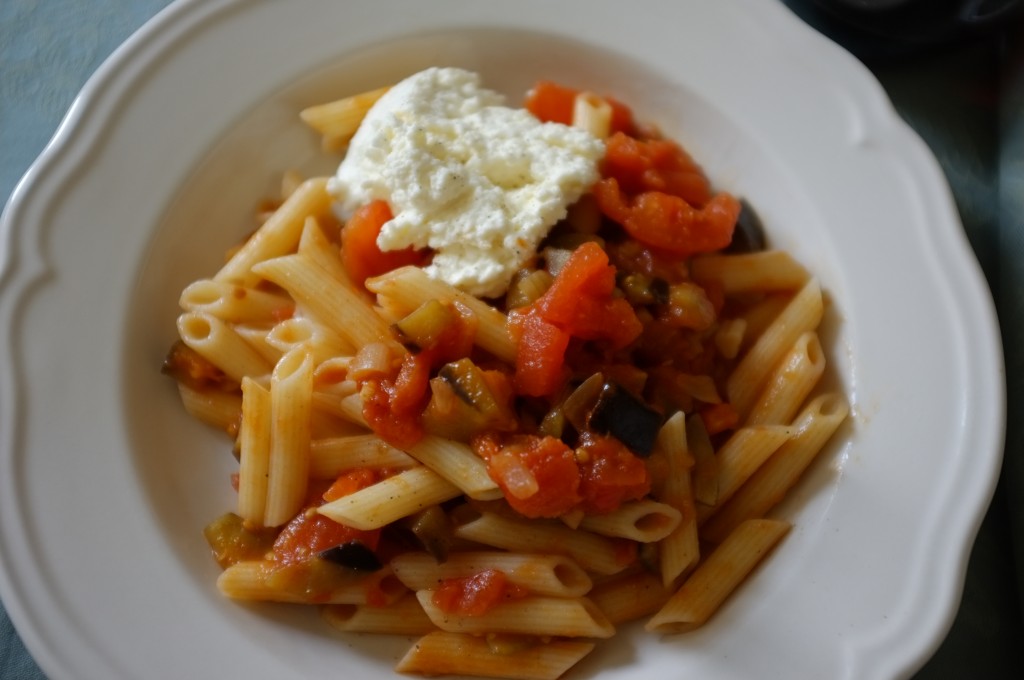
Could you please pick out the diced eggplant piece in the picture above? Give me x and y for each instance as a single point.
(231, 541)
(553, 423)
(310, 580)
(448, 415)
(423, 327)
(354, 555)
(625, 417)
(462, 403)
(433, 530)
(748, 237)
(469, 384)
(577, 406)
(641, 289)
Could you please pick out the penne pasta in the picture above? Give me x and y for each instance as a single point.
(443, 653)
(314, 245)
(740, 457)
(333, 303)
(391, 499)
(291, 391)
(222, 410)
(279, 235)
(717, 577)
(629, 596)
(802, 314)
(327, 426)
(729, 337)
(331, 457)
(267, 581)
(757, 317)
(815, 425)
(219, 344)
(338, 120)
(552, 575)
(256, 336)
(457, 463)
(530, 615)
(594, 553)
(680, 549)
(254, 453)
(646, 521)
(789, 384)
(349, 407)
(704, 478)
(323, 343)
(235, 303)
(593, 114)
(404, 616)
(409, 287)
(758, 272)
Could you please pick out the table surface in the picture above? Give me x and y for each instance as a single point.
(965, 99)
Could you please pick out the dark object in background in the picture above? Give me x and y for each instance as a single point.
(893, 28)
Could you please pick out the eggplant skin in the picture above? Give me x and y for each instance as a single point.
(748, 236)
(627, 418)
(353, 555)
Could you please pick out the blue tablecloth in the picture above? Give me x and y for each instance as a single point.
(966, 100)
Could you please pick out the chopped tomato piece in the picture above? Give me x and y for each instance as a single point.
(580, 300)
(361, 255)
(611, 319)
(622, 117)
(393, 405)
(409, 391)
(554, 103)
(475, 595)
(586, 274)
(193, 370)
(551, 102)
(609, 474)
(720, 417)
(349, 482)
(310, 533)
(540, 355)
(654, 165)
(580, 303)
(398, 428)
(538, 475)
(668, 222)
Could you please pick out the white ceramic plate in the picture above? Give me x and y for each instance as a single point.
(105, 483)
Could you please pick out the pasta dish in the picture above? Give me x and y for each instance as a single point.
(512, 378)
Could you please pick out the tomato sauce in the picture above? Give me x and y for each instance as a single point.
(538, 475)
(610, 474)
(476, 595)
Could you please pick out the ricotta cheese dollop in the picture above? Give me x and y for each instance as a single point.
(479, 183)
